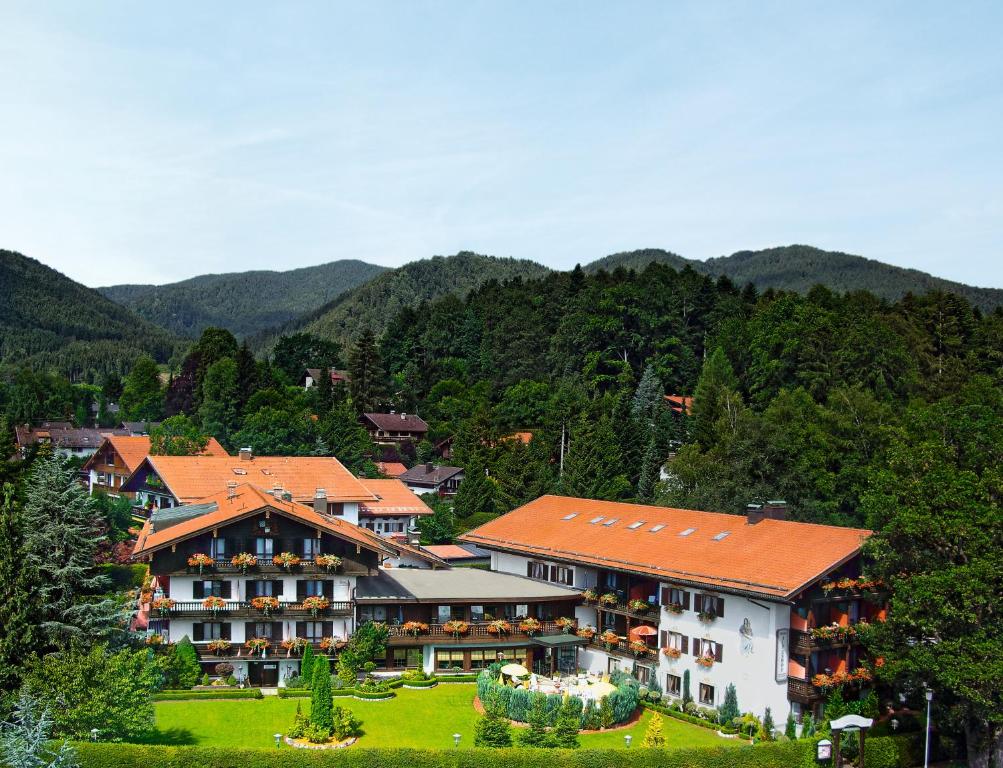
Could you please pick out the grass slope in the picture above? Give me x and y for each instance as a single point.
(375, 303)
(48, 321)
(243, 302)
(421, 719)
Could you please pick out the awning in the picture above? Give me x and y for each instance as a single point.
(554, 641)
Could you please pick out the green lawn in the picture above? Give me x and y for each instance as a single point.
(424, 719)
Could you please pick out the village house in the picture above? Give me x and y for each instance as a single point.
(119, 456)
(66, 440)
(388, 428)
(756, 601)
(311, 377)
(432, 478)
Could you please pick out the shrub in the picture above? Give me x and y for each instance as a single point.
(316, 734)
(321, 704)
(606, 713)
(205, 678)
(223, 669)
(565, 733)
(653, 736)
(221, 693)
(346, 724)
(729, 709)
(186, 659)
(300, 724)
(306, 666)
(536, 734)
(790, 727)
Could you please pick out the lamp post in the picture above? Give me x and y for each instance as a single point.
(94, 734)
(627, 739)
(926, 753)
(456, 739)
(278, 739)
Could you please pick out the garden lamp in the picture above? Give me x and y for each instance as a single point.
(94, 734)
(456, 739)
(278, 739)
(627, 739)
(926, 752)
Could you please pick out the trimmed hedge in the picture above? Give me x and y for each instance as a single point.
(226, 693)
(295, 693)
(129, 755)
(457, 679)
(374, 695)
(692, 719)
(421, 683)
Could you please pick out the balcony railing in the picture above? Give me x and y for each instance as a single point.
(622, 648)
(264, 565)
(477, 632)
(237, 651)
(802, 691)
(648, 614)
(803, 644)
(243, 608)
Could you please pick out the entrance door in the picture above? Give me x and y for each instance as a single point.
(263, 673)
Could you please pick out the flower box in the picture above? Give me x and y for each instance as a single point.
(316, 603)
(529, 626)
(499, 627)
(213, 603)
(163, 605)
(244, 560)
(286, 560)
(328, 562)
(672, 653)
(674, 608)
(705, 661)
(639, 606)
(295, 645)
(590, 595)
(608, 599)
(331, 644)
(218, 647)
(258, 645)
(265, 604)
(639, 648)
(587, 632)
(200, 561)
(609, 639)
(565, 624)
(456, 628)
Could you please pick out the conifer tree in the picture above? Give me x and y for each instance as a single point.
(593, 464)
(321, 702)
(477, 493)
(18, 612)
(651, 464)
(729, 709)
(714, 393)
(648, 398)
(768, 725)
(565, 734)
(218, 408)
(306, 665)
(367, 379)
(186, 663)
(492, 728)
(536, 734)
(606, 713)
(687, 696)
(142, 396)
(61, 535)
(791, 728)
(653, 736)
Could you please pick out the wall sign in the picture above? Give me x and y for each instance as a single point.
(783, 654)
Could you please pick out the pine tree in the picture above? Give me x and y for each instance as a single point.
(61, 536)
(791, 728)
(17, 609)
(367, 379)
(590, 716)
(648, 398)
(478, 493)
(142, 396)
(768, 725)
(306, 665)
(653, 736)
(651, 465)
(807, 725)
(593, 464)
(729, 709)
(247, 375)
(565, 733)
(714, 392)
(492, 728)
(26, 740)
(536, 734)
(606, 713)
(187, 663)
(321, 702)
(687, 696)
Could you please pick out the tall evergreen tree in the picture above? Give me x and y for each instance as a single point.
(321, 703)
(715, 387)
(189, 670)
(565, 733)
(536, 734)
(593, 464)
(478, 493)
(367, 379)
(306, 665)
(648, 397)
(142, 396)
(651, 464)
(18, 611)
(653, 736)
(220, 393)
(247, 375)
(61, 536)
(729, 709)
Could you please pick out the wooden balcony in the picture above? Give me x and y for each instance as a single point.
(622, 648)
(477, 634)
(236, 609)
(802, 691)
(238, 652)
(803, 644)
(267, 568)
(623, 609)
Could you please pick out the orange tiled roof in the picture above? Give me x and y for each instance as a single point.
(680, 403)
(392, 498)
(246, 500)
(391, 468)
(521, 437)
(132, 450)
(776, 558)
(190, 478)
(451, 552)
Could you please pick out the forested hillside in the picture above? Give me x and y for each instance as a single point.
(49, 322)
(800, 267)
(373, 304)
(243, 302)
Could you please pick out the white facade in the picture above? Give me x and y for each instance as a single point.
(752, 633)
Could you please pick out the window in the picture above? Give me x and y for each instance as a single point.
(710, 604)
(217, 549)
(707, 694)
(642, 673)
(721, 536)
(674, 640)
(263, 629)
(595, 520)
(687, 532)
(372, 613)
(610, 522)
(313, 588)
(448, 659)
(262, 588)
(311, 548)
(264, 548)
(313, 630)
(212, 631)
(207, 588)
(406, 657)
(572, 516)
(536, 570)
(673, 685)
(449, 612)
(477, 613)
(337, 509)
(479, 659)
(635, 526)
(560, 574)
(656, 528)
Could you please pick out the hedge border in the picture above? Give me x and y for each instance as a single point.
(238, 693)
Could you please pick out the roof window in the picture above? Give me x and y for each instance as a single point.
(635, 526)
(611, 521)
(239, 471)
(595, 520)
(656, 528)
(722, 536)
(687, 532)
(572, 516)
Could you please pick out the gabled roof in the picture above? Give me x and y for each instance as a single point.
(169, 526)
(680, 403)
(139, 427)
(133, 449)
(391, 468)
(392, 498)
(433, 475)
(397, 422)
(454, 552)
(190, 478)
(62, 436)
(773, 558)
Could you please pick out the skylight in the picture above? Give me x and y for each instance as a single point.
(721, 536)
(687, 532)
(595, 520)
(635, 526)
(611, 521)
(656, 528)
(570, 517)
(239, 471)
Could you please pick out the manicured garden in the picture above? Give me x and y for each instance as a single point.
(414, 718)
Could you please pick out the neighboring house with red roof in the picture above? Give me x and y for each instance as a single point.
(394, 427)
(120, 455)
(433, 478)
(395, 510)
(455, 554)
(730, 598)
(66, 440)
(311, 377)
(680, 404)
(391, 468)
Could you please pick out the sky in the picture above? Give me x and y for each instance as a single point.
(153, 142)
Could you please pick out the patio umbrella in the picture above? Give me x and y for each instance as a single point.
(601, 689)
(642, 631)
(514, 670)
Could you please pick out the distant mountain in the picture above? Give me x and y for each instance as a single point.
(50, 322)
(799, 267)
(244, 302)
(375, 303)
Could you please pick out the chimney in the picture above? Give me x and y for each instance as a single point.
(754, 513)
(413, 536)
(277, 490)
(403, 416)
(245, 454)
(320, 501)
(775, 509)
(428, 467)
